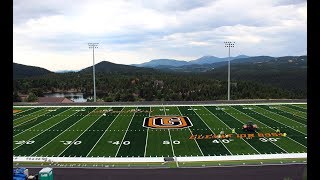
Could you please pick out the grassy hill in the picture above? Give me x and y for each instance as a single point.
(22, 71)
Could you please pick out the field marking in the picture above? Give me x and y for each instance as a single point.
(295, 112)
(230, 128)
(278, 121)
(245, 140)
(104, 132)
(82, 131)
(212, 131)
(300, 107)
(172, 149)
(284, 116)
(126, 132)
(39, 123)
(191, 134)
(28, 114)
(61, 132)
(270, 127)
(37, 116)
(23, 111)
(174, 155)
(146, 144)
(47, 129)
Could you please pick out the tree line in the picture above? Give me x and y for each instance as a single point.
(153, 86)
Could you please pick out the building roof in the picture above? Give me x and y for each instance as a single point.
(54, 99)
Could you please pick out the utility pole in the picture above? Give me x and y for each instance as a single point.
(229, 45)
(93, 46)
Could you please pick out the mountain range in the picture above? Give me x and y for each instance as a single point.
(163, 63)
(199, 65)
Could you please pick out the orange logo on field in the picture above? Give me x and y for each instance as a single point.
(167, 122)
(16, 110)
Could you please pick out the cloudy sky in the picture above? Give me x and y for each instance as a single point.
(54, 34)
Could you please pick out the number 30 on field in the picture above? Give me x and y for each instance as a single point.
(71, 142)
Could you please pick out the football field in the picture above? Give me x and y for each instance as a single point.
(158, 131)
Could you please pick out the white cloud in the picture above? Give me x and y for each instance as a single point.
(134, 31)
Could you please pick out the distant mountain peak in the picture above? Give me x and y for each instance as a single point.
(106, 66)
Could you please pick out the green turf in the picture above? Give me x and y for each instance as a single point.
(284, 143)
(235, 145)
(42, 139)
(285, 115)
(156, 138)
(297, 108)
(255, 142)
(186, 147)
(292, 133)
(29, 117)
(41, 128)
(69, 136)
(136, 136)
(91, 135)
(38, 120)
(39, 131)
(200, 128)
(25, 112)
(111, 140)
(21, 110)
(293, 112)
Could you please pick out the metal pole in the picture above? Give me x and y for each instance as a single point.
(94, 79)
(93, 45)
(229, 76)
(229, 45)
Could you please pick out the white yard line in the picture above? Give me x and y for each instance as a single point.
(211, 130)
(82, 132)
(246, 141)
(172, 148)
(125, 133)
(31, 118)
(39, 123)
(47, 129)
(146, 144)
(191, 134)
(278, 122)
(230, 128)
(104, 132)
(270, 127)
(282, 115)
(61, 132)
(165, 113)
(28, 114)
(174, 155)
(23, 111)
(300, 107)
(293, 113)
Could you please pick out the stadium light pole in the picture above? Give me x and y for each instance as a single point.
(93, 46)
(229, 45)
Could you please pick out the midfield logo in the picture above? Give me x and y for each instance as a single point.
(167, 122)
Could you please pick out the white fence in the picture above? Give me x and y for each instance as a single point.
(158, 159)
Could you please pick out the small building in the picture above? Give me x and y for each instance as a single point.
(54, 100)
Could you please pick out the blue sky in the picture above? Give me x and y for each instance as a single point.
(54, 34)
